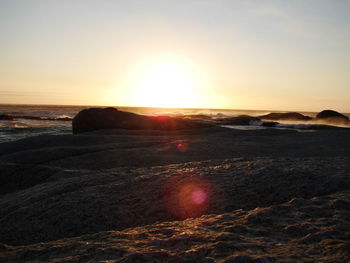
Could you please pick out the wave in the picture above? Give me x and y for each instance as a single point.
(311, 126)
(10, 117)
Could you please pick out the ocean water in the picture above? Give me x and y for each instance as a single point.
(30, 120)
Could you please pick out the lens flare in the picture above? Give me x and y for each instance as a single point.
(182, 146)
(187, 196)
(198, 196)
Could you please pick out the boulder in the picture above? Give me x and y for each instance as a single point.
(286, 116)
(111, 118)
(332, 117)
(270, 124)
(240, 120)
(6, 117)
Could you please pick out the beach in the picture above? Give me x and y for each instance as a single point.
(270, 195)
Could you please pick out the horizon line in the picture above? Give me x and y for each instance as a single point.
(149, 107)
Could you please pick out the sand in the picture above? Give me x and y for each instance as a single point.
(111, 196)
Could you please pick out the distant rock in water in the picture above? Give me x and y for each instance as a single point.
(287, 116)
(240, 120)
(6, 117)
(110, 118)
(332, 117)
(270, 124)
(247, 120)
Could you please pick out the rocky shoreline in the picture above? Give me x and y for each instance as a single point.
(193, 195)
(111, 118)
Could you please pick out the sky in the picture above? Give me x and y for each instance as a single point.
(263, 55)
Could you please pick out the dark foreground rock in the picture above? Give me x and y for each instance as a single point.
(287, 116)
(117, 195)
(301, 230)
(110, 118)
(6, 117)
(332, 117)
(73, 203)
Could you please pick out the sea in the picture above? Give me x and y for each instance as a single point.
(21, 121)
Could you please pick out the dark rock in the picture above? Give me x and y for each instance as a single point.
(197, 116)
(4, 247)
(14, 177)
(288, 116)
(62, 119)
(110, 118)
(239, 120)
(333, 117)
(6, 117)
(65, 185)
(269, 124)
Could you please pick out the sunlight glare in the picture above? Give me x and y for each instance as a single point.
(166, 81)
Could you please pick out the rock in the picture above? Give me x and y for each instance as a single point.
(247, 259)
(4, 247)
(197, 116)
(288, 116)
(269, 124)
(321, 239)
(246, 120)
(240, 120)
(331, 116)
(60, 186)
(110, 118)
(6, 117)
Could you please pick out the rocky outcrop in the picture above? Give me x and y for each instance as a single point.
(266, 196)
(246, 120)
(301, 230)
(332, 117)
(240, 120)
(6, 117)
(309, 229)
(270, 124)
(79, 202)
(110, 118)
(286, 116)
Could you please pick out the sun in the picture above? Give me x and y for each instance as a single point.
(166, 81)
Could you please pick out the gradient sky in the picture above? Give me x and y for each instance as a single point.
(269, 55)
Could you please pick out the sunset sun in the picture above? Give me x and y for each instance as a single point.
(166, 81)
